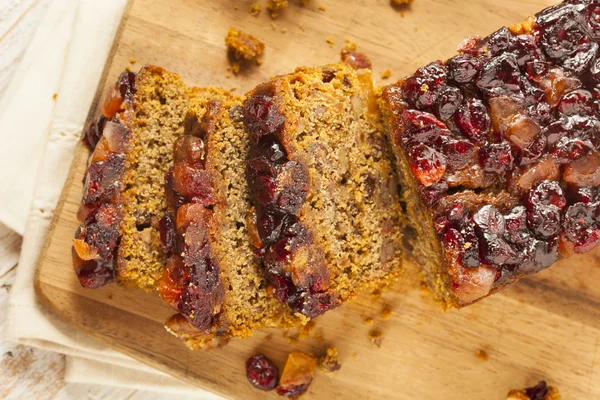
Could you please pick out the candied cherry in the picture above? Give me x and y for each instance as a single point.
(193, 182)
(499, 41)
(261, 372)
(261, 113)
(448, 102)
(515, 225)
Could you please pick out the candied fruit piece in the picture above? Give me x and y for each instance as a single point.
(474, 45)
(424, 87)
(547, 193)
(471, 284)
(554, 85)
(355, 59)
(166, 229)
(577, 102)
(584, 172)
(546, 168)
(174, 276)
(189, 149)
(427, 164)
(503, 110)
(261, 372)
(501, 77)
(297, 375)
(330, 361)
(463, 68)
(522, 131)
(93, 133)
(93, 274)
(193, 182)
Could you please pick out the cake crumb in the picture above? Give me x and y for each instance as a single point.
(402, 2)
(284, 30)
(235, 7)
(482, 355)
(54, 96)
(254, 9)
(128, 68)
(304, 2)
(233, 89)
(375, 294)
(132, 60)
(275, 5)
(354, 355)
(368, 321)
(273, 25)
(330, 41)
(376, 337)
(386, 312)
(258, 62)
(330, 361)
(306, 330)
(302, 28)
(242, 47)
(227, 76)
(235, 68)
(322, 8)
(386, 74)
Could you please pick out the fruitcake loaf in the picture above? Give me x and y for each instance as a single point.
(326, 223)
(498, 152)
(123, 198)
(212, 278)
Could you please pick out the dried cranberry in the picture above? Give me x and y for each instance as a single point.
(174, 199)
(424, 87)
(102, 178)
(270, 225)
(356, 59)
(93, 133)
(93, 274)
(474, 45)
(489, 220)
(197, 306)
(496, 250)
(261, 113)
(583, 194)
(544, 220)
(547, 193)
(564, 37)
(542, 113)
(580, 226)
(463, 68)
(432, 194)
(537, 392)
(576, 102)
(526, 50)
(458, 213)
(126, 85)
(567, 149)
(496, 157)
(291, 187)
(427, 164)
(312, 304)
(458, 153)
(263, 188)
(499, 41)
(166, 228)
(261, 372)
(515, 230)
(501, 77)
(270, 148)
(474, 120)
(448, 102)
(281, 286)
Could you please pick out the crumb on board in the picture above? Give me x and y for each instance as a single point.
(254, 9)
(386, 74)
(259, 62)
(386, 312)
(127, 68)
(354, 355)
(482, 355)
(227, 76)
(302, 27)
(368, 321)
(273, 25)
(54, 96)
(401, 2)
(375, 294)
(304, 2)
(274, 6)
(242, 47)
(284, 30)
(235, 7)
(233, 89)
(235, 67)
(269, 337)
(306, 330)
(132, 60)
(376, 337)
(330, 40)
(322, 8)
(330, 361)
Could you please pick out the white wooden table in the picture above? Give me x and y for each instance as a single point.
(25, 372)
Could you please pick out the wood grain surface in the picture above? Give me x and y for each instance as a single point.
(547, 326)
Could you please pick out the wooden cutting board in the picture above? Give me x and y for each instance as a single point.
(547, 326)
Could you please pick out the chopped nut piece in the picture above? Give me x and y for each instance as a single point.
(254, 9)
(297, 375)
(386, 74)
(376, 337)
(330, 362)
(524, 27)
(482, 355)
(242, 46)
(275, 5)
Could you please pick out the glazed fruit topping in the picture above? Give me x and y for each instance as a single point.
(424, 87)
(261, 372)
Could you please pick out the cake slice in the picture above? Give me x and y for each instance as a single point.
(212, 278)
(498, 152)
(123, 200)
(326, 223)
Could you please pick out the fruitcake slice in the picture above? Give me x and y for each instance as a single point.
(212, 278)
(123, 198)
(498, 152)
(326, 223)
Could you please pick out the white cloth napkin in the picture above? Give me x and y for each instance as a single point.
(39, 134)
